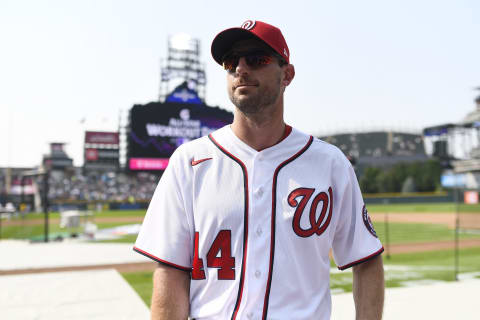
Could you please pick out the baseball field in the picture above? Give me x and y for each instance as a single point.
(418, 239)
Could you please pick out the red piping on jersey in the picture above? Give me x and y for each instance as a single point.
(288, 130)
(245, 224)
(373, 255)
(151, 256)
(272, 237)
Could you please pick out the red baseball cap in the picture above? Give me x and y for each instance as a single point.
(270, 35)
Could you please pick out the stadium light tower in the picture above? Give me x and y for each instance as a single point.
(182, 65)
(182, 41)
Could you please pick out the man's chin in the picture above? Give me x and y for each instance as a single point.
(248, 108)
(246, 103)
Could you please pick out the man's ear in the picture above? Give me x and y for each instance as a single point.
(288, 74)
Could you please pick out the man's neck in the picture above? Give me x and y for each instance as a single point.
(259, 131)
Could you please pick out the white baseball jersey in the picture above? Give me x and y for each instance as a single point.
(255, 227)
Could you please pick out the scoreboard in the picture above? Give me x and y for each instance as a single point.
(157, 129)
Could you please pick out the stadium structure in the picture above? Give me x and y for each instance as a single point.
(156, 129)
(146, 140)
(457, 145)
(182, 64)
(381, 149)
(151, 133)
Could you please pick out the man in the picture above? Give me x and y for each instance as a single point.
(243, 220)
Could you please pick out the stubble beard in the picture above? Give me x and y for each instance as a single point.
(256, 103)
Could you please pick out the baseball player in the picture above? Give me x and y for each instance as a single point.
(242, 220)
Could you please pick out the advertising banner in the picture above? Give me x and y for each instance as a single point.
(98, 137)
(157, 129)
(101, 159)
(148, 163)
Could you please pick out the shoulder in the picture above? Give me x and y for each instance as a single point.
(328, 150)
(323, 155)
(333, 154)
(322, 149)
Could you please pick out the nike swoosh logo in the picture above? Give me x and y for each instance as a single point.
(195, 162)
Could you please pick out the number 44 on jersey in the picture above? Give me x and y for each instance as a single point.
(219, 256)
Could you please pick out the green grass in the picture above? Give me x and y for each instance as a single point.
(398, 233)
(34, 231)
(417, 232)
(448, 207)
(129, 238)
(401, 269)
(40, 216)
(142, 283)
(37, 231)
(105, 213)
(121, 213)
(405, 268)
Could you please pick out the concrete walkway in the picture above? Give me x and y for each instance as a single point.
(439, 301)
(93, 294)
(22, 255)
(104, 294)
(99, 295)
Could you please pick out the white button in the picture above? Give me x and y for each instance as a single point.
(250, 315)
(257, 274)
(260, 157)
(259, 192)
(259, 231)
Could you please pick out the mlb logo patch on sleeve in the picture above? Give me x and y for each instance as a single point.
(368, 222)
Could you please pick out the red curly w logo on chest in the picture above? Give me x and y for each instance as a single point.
(317, 225)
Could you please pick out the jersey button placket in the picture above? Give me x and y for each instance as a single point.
(259, 220)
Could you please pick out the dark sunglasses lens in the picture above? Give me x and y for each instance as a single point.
(255, 60)
(230, 62)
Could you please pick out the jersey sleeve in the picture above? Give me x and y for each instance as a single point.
(165, 235)
(355, 240)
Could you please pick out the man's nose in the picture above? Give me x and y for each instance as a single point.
(242, 66)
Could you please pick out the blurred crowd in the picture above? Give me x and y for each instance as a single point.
(105, 187)
(74, 185)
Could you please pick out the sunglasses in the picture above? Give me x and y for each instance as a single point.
(254, 59)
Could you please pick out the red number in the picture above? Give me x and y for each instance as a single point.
(225, 263)
(197, 271)
(219, 256)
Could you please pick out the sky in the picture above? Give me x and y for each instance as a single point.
(68, 66)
